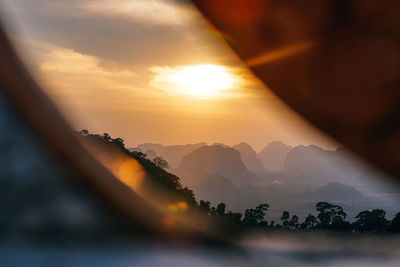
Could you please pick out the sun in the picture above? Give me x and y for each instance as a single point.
(204, 80)
(201, 81)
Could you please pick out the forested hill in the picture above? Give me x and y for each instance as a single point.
(156, 175)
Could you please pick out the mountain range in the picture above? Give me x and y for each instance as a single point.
(280, 175)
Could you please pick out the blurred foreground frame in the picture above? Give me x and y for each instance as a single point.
(336, 62)
(111, 209)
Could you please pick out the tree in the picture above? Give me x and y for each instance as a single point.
(160, 162)
(255, 216)
(221, 209)
(370, 220)
(331, 216)
(84, 132)
(150, 154)
(138, 155)
(187, 194)
(309, 223)
(234, 218)
(205, 206)
(294, 222)
(285, 219)
(106, 137)
(395, 223)
(213, 211)
(119, 142)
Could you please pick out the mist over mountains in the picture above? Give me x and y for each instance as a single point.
(287, 178)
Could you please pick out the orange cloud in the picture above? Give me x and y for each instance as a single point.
(68, 71)
(149, 11)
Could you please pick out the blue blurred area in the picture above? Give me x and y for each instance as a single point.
(39, 202)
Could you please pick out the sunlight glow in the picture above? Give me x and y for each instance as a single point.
(202, 81)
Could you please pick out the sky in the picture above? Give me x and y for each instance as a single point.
(148, 71)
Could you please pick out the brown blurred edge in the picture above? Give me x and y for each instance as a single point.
(378, 138)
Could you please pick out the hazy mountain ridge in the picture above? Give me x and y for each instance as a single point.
(217, 160)
(316, 166)
(213, 188)
(249, 158)
(334, 192)
(307, 165)
(273, 156)
(222, 173)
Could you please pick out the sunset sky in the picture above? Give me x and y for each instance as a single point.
(148, 71)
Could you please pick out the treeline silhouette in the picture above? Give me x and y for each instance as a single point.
(329, 217)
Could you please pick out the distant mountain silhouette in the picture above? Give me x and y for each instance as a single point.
(314, 165)
(249, 158)
(217, 160)
(220, 144)
(172, 154)
(335, 192)
(273, 156)
(214, 188)
(304, 158)
(219, 173)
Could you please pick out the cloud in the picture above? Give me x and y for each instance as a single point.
(70, 72)
(159, 12)
(160, 33)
